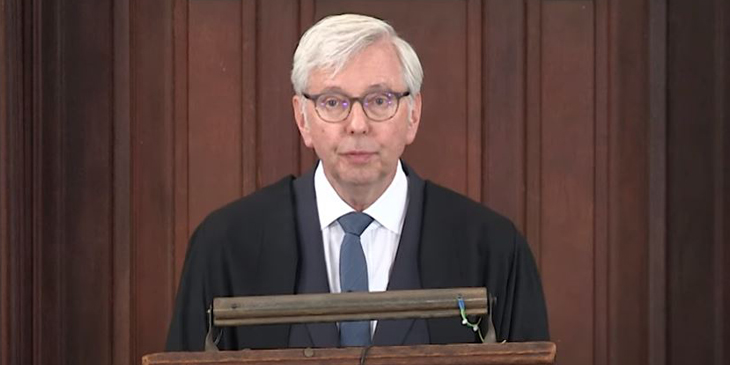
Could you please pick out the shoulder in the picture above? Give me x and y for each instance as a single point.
(455, 207)
(468, 221)
(257, 204)
(246, 216)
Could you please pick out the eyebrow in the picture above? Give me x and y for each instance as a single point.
(371, 88)
(332, 89)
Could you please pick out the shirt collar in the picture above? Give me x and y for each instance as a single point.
(388, 209)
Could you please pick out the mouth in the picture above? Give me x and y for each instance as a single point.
(358, 157)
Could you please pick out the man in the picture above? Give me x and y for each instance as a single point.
(357, 102)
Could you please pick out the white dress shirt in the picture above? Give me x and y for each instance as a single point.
(379, 240)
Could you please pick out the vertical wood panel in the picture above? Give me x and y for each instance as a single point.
(691, 113)
(18, 177)
(439, 152)
(721, 167)
(37, 183)
(249, 129)
(722, 118)
(718, 254)
(215, 106)
(628, 182)
(278, 138)
(474, 83)
(49, 208)
(87, 183)
(122, 330)
(533, 126)
(568, 175)
(504, 105)
(5, 207)
(601, 235)
(657, 307)
(152, 159)
(182, 191)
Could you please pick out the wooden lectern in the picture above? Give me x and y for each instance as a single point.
(310, 308)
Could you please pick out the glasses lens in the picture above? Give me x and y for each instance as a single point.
(380, 105)
(333, 107)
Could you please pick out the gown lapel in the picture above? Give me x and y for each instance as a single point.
(404, 273)
(313, 270)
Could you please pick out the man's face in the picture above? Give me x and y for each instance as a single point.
(359, 152)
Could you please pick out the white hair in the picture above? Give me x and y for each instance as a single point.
(334, 40)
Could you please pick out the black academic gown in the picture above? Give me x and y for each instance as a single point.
(252, 247)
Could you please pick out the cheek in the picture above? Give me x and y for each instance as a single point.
(322, 139)
(400, 136)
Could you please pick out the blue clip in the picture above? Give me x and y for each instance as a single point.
(464, 320)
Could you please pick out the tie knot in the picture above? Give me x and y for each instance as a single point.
(355, 222)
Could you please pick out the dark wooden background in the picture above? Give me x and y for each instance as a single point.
(600, 127)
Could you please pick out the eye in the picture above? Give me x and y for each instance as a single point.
(332, 102)
(379, 99)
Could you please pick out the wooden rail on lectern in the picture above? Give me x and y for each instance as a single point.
(360, 306)
(472, 354)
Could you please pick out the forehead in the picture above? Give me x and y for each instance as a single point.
(376, 66)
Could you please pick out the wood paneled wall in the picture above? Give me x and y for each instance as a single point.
(698, 220)
(599, 127)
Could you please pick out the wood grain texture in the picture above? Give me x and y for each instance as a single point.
(723, 114)
(121, 210)
(474, 84)
(17, 175)
(181, 135)
(214, 103)
(8, 343)
(533, 126)
(5, 343)
(692, 195)
(628, 183)
(313, 308)
(472, 354)
(567, 152)
(50, 190)
(277, 136)
(504, 109)
(249, 125)
(602, 204)
(657, 304)
(87, 141)
(152, 176)
(721, 170)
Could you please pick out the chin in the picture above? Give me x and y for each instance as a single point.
(358, 175)
(362, 176)
(359, 179)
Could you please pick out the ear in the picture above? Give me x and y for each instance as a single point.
(414, 119)
(299, 107)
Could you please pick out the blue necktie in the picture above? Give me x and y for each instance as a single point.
(353, 275)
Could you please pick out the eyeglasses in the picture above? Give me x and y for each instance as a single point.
(378, 106)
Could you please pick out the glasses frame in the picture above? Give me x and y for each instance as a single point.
(351, 100)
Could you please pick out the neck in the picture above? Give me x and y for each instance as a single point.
(361, 196)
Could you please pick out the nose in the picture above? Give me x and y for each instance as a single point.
(358, 122)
